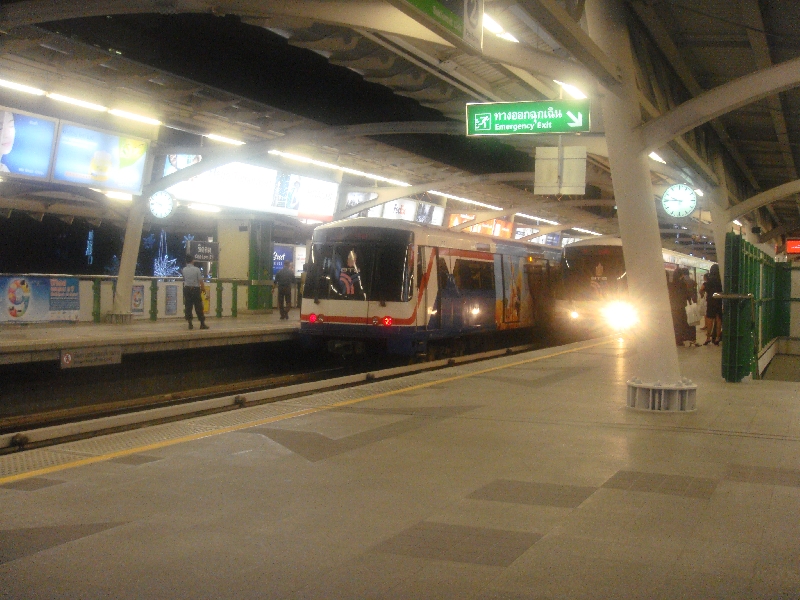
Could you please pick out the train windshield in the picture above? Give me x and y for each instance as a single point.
(594, 272)
(360, 271)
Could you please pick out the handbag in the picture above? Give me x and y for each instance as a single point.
(693, 315)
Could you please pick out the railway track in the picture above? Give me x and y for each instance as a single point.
(24, 432)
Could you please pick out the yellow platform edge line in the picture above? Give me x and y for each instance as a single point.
(198, 436)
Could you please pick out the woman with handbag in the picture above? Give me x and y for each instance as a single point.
(713, 307)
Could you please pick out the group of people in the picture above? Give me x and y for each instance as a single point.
(683, 291)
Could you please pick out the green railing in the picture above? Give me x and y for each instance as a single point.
(753, 311)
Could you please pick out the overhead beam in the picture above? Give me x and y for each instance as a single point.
(784, 229)
(719, 101)
(560, 24)
(762, 199)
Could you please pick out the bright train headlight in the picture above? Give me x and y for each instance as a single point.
(573, 314)
(620, 315)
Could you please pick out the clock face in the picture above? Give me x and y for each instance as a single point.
(679, 200)
(161, 204)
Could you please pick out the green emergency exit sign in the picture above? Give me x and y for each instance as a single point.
(514, 118)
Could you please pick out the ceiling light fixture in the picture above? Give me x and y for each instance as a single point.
(320, 163)
(736, 222)
(657, 158)
(589, 231)
(699, 192)
(77, 102)
(571, 90)
(133, 116)
(223, 139)
(465, 200)
(549, 222)
(494, 27)
(21, 88)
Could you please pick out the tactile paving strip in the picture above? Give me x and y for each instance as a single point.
(64, 454)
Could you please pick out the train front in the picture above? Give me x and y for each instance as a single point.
(594, 298)
(359, 289)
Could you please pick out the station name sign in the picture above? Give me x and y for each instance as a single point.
(514, 118)
(204, 251)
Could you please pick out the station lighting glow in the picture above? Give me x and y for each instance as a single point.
(465, 200)
(21, 88)
(495, 28)
(223, 139)
(133, 116)
(620, 315)
(736, 222)
(115, 195)
(590, 232)
(77, 102)
(699, 192)
(657, 158)
(571, 90)
(205, 208)
(319, 163)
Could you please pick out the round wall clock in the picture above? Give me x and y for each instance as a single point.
(679, 200)
(161, 204)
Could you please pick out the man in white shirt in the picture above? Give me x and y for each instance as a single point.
(192, 286)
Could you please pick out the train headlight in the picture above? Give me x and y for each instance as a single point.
(620, 315)
(476, 310)
(573, 314)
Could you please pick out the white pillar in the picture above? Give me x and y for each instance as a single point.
(656, 366)
(127, 263)
(720, 225)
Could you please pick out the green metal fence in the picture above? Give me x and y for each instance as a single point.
(753, 307)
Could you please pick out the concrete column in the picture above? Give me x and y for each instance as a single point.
(657, 382)
(127, 263)
(718, 207)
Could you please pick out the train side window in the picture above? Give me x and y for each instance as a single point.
(444, 272)
(420, 266)
(474, 275)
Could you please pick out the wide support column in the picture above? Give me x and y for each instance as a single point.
(657, 382)
(127, 263)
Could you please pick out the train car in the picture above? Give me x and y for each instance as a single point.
(593, 294)
(415, 289)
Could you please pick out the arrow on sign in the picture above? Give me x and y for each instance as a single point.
(576, 121)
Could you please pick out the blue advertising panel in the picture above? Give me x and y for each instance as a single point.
(30, 299)
(280, 255)
(99, 159)
(26, 144)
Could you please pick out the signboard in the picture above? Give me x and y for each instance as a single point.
(280, 255)
(513, 118)
(403, 209)
(204, 251)
(460, 18)
(429, 214)
(98, 159)
(792, 246)
(26, 144)
(171, 304)
(91, 357)
(355, 198)
(299, 260)
(38, 299)
(176, 162)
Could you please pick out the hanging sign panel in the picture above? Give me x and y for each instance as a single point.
(514, 118)
(26, 144)
(457, 19)
(792, 246)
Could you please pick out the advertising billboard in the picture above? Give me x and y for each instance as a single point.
(305, 197)
(31, 299)
(176, 162)
(429, 214)
(235, 185)
(26, 144)
(403, 209)
(355, 198)
(95, 158)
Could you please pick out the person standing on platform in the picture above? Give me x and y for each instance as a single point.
(713, 307)
(285, 280)
(192, 296)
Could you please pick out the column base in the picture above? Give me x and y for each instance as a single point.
(662, 397)
(119, 318)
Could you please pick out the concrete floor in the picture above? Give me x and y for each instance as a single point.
(521, 477)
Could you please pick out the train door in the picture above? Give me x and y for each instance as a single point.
(350, 269)
(512, 288)
(429, 305)
(449, 298)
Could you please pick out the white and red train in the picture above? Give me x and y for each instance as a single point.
(413, 288)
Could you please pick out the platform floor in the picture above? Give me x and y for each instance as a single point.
(36, 342)
(518, 478)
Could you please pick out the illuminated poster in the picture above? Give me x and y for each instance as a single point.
(403, 209)
(171, 307)
(30, 299)
(137, 300)
(299, 260)
(280, 255)
(176, 162)
(235, 185)
(307, 198)
(429, 214)
(356, 198)
(99, 159)
(26, 144)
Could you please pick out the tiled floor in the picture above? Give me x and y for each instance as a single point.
(529, 481)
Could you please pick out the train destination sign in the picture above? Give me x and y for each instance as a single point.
(513, 118)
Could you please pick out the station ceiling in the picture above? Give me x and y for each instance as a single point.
(682, 48)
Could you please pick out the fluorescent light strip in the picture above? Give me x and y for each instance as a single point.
(320, 163)
(585, 231)
(492, 25)
(465, 200)
(133, 117)
(571, 90)
(226, 140)
(736, 222)
(524, 216)
(657, 158)
(508, 37)
(76, 102)
(21, 88)
(205, 208)
(699, 192)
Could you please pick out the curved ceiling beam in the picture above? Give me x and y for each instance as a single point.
(762, 199)
(722, 99)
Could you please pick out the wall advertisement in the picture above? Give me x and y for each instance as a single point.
(26, 144)
(36, 299)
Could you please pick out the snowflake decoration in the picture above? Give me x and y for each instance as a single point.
(149, 241)
(186, 239)
(163, 265)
